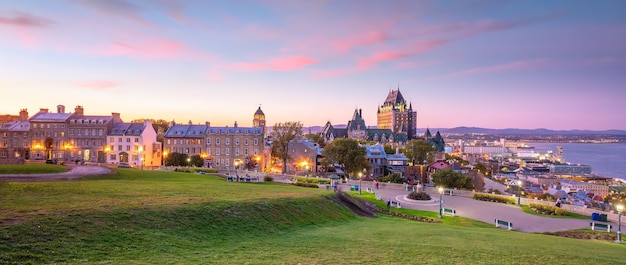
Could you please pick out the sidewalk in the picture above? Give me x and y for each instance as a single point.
(75, 172)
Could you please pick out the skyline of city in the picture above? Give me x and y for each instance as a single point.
(490, 64)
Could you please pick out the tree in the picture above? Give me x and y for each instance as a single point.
(418, 151)
(393, 178)
(196, 161)
(481, 168)
(389, 149)
(282, 134)
(250, 163)
(348, 153)
(316, 138)
(451, 179)
(176, 159)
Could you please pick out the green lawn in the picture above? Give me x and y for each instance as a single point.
(145, 217)
(31, 169)
(526, 209)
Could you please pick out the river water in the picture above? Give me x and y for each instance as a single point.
(606, 160)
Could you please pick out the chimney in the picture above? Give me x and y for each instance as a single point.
(23, 115)
(79, 110)
(43, 110)
(208, 124)
(116, 117)
(190, 123)
(235, 124)
(60, 109)
(361, 112)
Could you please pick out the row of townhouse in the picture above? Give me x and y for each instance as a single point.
(221, 147)
(63, 136)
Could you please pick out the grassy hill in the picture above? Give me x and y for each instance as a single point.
(145, 217)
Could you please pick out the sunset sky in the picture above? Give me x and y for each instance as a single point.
(493, 64)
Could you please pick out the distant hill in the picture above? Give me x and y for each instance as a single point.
(541, 131)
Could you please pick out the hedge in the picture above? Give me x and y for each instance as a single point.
(547, 209)
(493, 198)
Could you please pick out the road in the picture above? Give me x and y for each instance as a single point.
(487, 212)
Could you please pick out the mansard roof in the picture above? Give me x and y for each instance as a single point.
(16, 126)
(127, 129)
(394, 97)
(186, 131)
(50, 117)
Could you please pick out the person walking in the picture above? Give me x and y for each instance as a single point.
(388, 204)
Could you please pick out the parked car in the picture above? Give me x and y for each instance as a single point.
(123, 165)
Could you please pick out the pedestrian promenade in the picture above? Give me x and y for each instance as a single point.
(75, 172)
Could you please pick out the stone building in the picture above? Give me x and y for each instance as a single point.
(48, 135)
(356, 129)
(221, 147)
(15, 139)
(133, 143)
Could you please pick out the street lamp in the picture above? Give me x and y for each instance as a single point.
(163, 158)
(620, 208)
(440, 202)
(519, 192)
(305, 165)
(188, 162)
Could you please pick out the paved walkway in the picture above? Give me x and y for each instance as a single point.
(75, 172)
(487, 212)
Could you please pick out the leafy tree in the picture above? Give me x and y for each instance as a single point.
(196, 161)
(418, 151)
(460, 160)
(451, 179)
(316, 138)
(348, 153)
(481, 168)
(282, 134)
(250, 163)
(389, 149)
(176, 159)
(393, 178)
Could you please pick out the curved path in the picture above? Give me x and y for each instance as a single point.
(487, 212)
(75, 172)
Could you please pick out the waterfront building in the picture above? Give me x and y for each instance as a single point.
(15, 139)
(569, 169)
(396, 115)
(133, 143)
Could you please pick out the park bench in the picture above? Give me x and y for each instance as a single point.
(410, 188)
(601, 226)
(447, 192)
(378, 197)
(449, 211)
(506, 224)
(395, 204)
(370, 190)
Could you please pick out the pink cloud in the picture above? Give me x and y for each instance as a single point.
(502, 67)
(391, 55)
(99, 85)
(24, 20)
(278, 64)
(147, 47)
(364, 39)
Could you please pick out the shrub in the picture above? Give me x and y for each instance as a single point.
(268, 178)
(493, 198)
(547, 209)
(393, 178)
(420, 196)
(547, 197)
(494, 191)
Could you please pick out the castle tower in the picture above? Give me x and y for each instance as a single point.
(398, 116)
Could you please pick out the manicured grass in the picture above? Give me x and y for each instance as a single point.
(146, 217)
(32, 169)
(527, 210)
